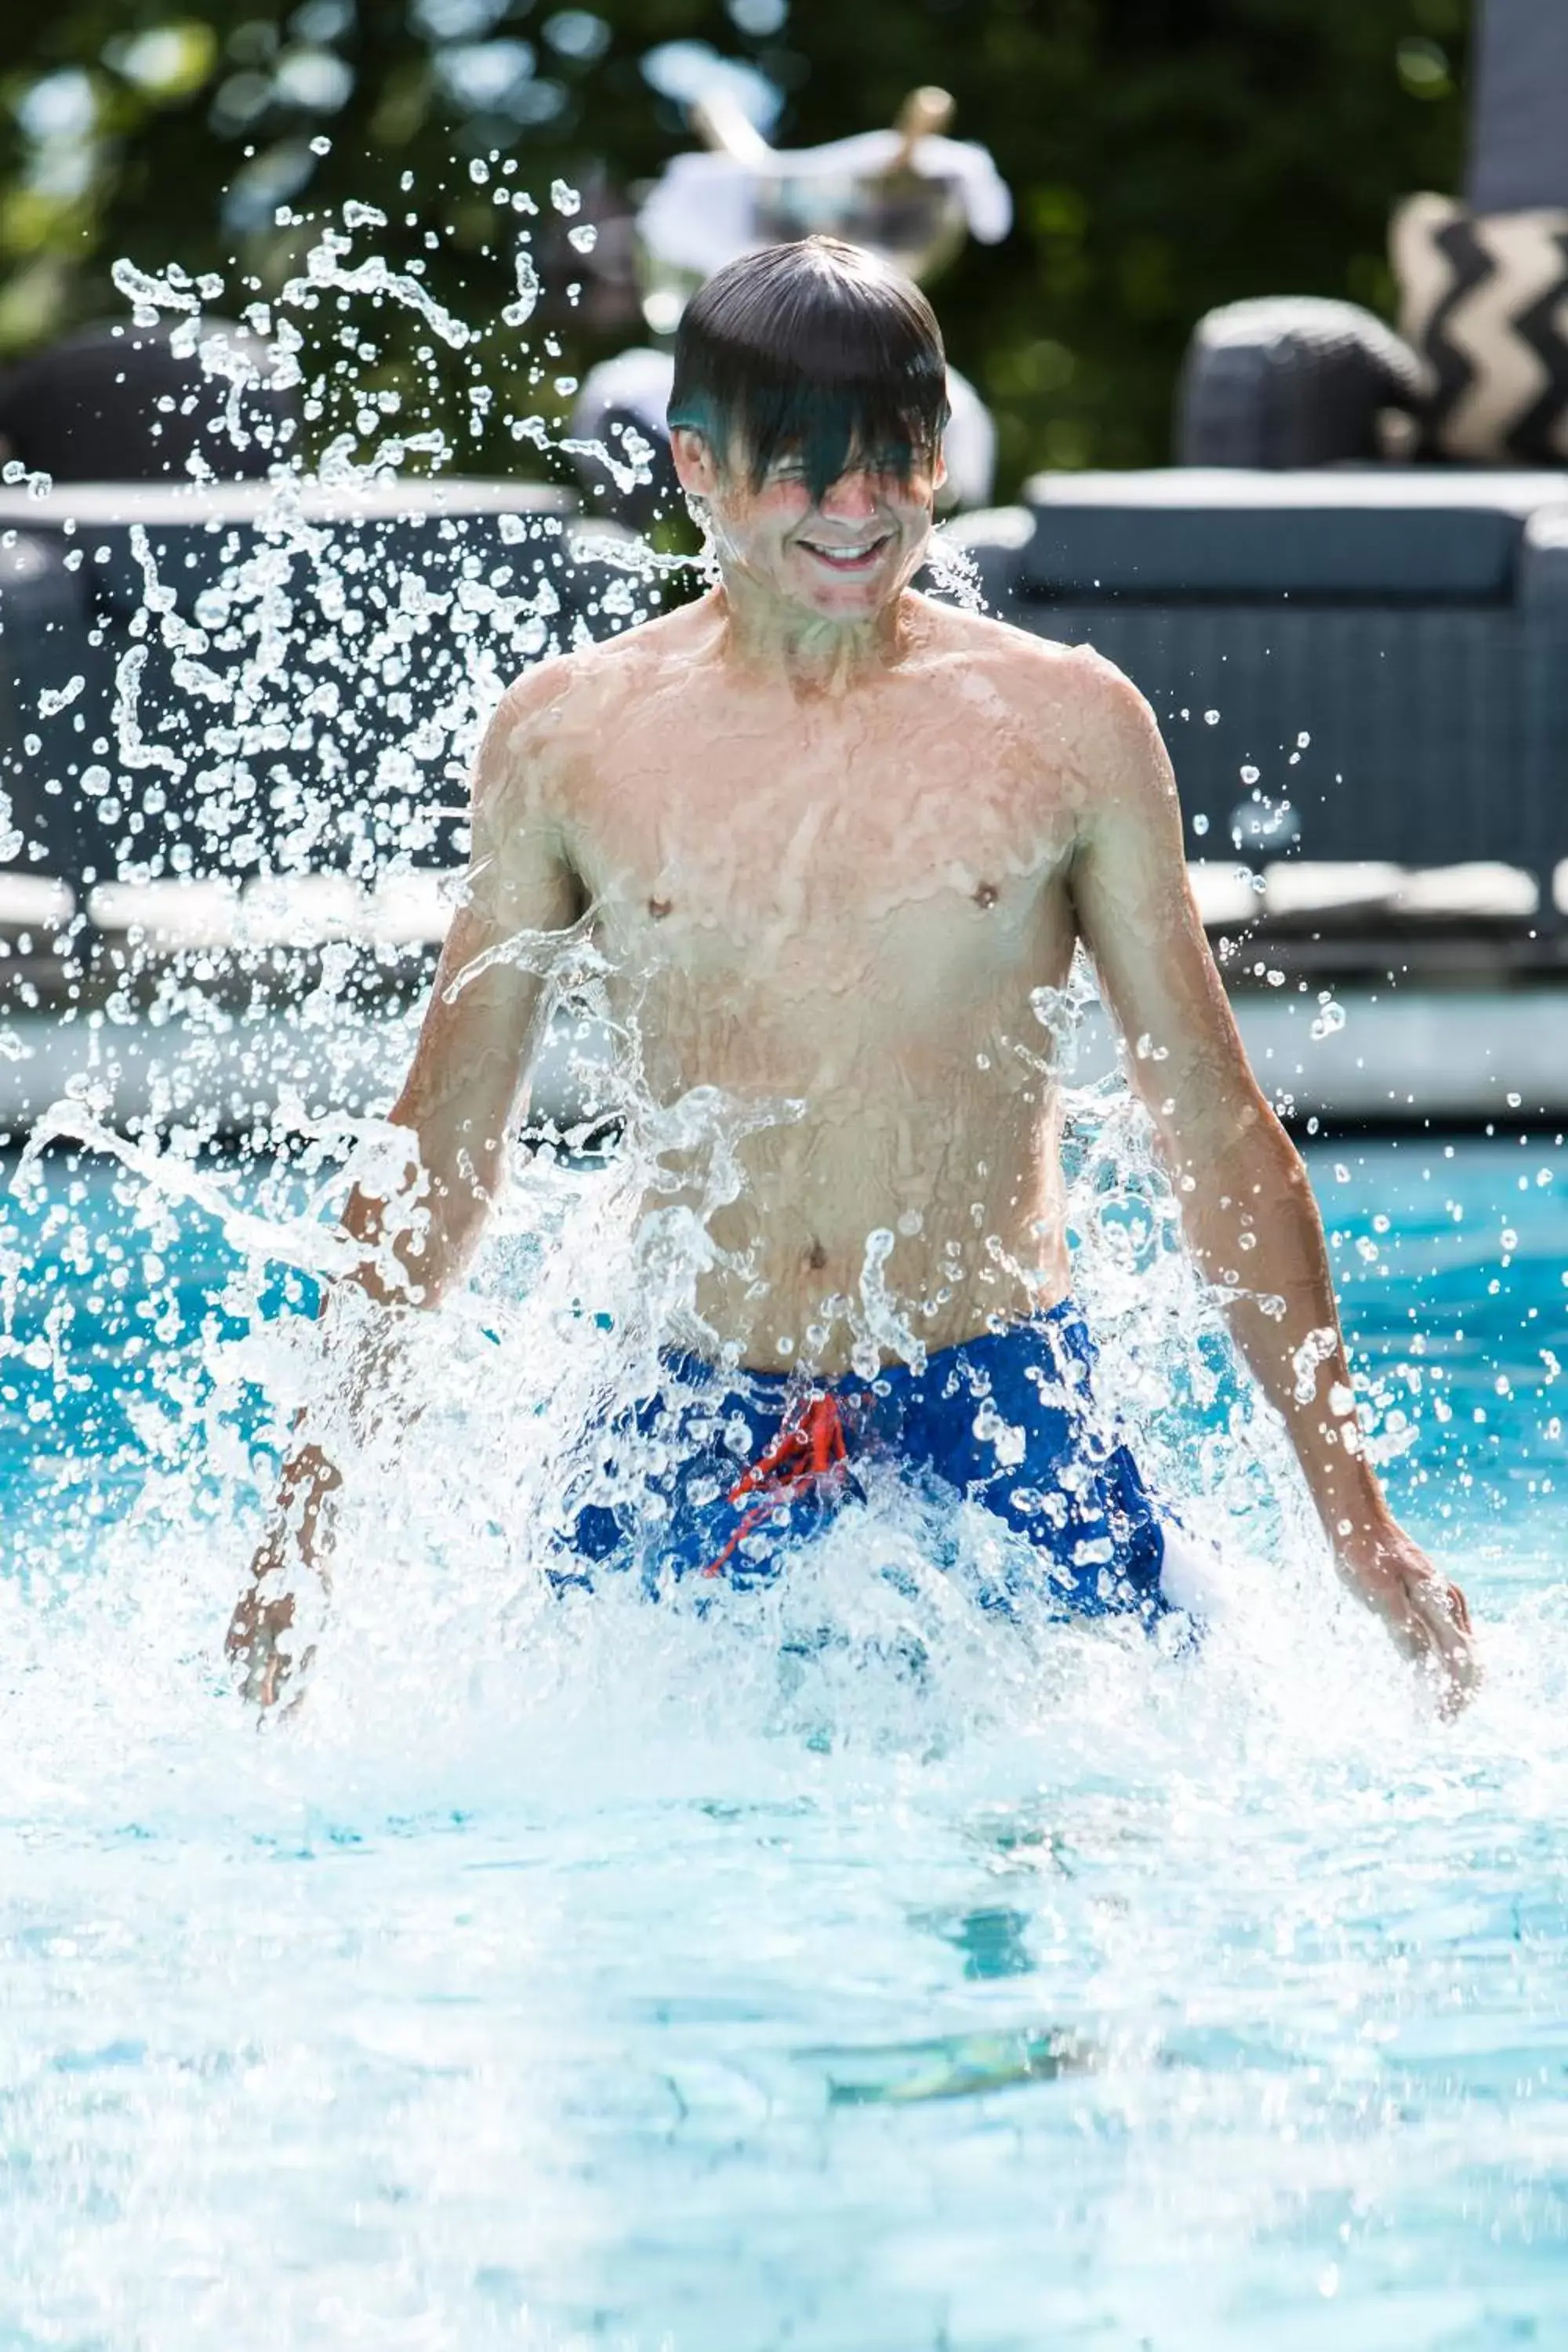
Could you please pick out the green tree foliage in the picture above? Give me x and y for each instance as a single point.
(1164, 156)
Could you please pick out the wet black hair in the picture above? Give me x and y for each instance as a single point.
(817, 347)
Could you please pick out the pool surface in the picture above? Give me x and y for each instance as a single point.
(607, 1975)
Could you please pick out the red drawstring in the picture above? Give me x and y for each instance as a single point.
(809, 1448)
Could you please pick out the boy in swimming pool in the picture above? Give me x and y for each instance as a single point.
(831, 836)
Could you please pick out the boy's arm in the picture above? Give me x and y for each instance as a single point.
(487, 1011)
(1247, 1204)
(483, 1023)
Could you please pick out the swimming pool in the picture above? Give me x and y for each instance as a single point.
(612, 1978)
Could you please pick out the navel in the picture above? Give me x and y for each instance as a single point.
(660, 908)
(985, 894)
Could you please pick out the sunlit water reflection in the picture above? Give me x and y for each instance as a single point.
(600, 1973)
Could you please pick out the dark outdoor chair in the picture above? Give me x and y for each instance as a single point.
(117, 403)
(157, 443)
(1355, 659)
(1282, 381)
(115, 751)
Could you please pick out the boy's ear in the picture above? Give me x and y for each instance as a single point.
(696, 469)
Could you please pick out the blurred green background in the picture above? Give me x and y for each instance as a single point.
(1164, 156)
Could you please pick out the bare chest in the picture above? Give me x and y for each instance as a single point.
(914, 831)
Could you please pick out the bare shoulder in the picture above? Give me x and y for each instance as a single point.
(1083, 702)
(1041, 668)
(550, 717)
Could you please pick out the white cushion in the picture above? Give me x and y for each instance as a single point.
(1484, 888)
(169, 915)
(1224, 893)
(1313, 886)
(30, 902)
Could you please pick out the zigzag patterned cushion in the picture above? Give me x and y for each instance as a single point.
(1484, 301)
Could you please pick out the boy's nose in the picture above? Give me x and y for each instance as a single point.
(850, 499)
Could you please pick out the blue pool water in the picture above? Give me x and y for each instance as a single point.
(599, 1977)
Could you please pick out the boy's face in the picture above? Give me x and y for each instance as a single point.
(841, 557)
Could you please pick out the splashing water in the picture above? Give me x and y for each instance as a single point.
(677, 1968)
(841, 1965)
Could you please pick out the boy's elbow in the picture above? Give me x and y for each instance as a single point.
(416, 1227)
(1207, 1130)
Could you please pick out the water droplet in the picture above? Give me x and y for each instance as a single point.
(529, 288)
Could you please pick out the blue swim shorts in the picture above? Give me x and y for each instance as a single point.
(724, 1472)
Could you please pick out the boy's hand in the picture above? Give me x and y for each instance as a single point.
(293, 1546)
(251, 1645)
(1428, 1617)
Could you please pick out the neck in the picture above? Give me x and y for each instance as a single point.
(790, 642)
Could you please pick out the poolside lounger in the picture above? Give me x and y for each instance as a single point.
(1302, 888)
(298, 911)
(169, 917)
(416, 908)
(409, 909)
(35, 902)
(1227, 894)
(1482, 891)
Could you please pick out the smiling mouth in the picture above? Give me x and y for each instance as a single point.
(849, 559)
